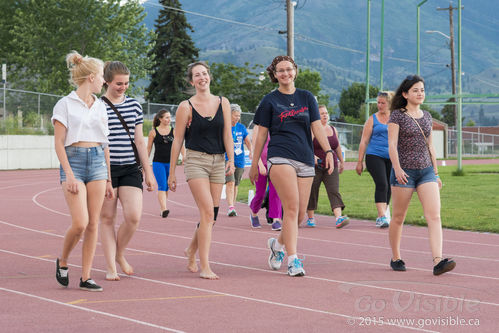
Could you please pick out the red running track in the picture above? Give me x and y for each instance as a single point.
(349, 285)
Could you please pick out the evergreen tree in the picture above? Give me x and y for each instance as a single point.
(173, 51)
(449, 113)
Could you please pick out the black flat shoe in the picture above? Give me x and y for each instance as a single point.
(445, 265)
(397, 265)
(61, 274)
(165, 213)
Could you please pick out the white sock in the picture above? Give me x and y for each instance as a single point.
(278, 246)
(291, 258)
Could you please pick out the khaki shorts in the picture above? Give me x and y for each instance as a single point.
(235, 177)
(204, 165)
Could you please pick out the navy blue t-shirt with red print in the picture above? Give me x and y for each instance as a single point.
(288, 118)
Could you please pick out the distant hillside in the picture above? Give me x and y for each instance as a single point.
(340, 26)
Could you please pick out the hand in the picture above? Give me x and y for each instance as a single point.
(359, 168)
(150, 182)
(329, 163)
(440, 184)
(401, 176)
(229, 168)
(341, 167)
(109, 190)
(172, 182)
(253, 174)
(71, 184)
(261, 169)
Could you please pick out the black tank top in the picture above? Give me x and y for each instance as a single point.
(162, 146)
(205, 134)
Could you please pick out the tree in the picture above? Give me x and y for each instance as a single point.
(448, 113)
(45, 31)
(7, 8)
(434, 114)
(246, 85)
(173, 51)
(352, 100)
(243, 85)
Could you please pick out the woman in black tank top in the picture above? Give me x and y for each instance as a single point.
(161, 135)
(204, 121)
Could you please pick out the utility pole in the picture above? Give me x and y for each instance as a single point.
(452, 64)
(290, 10)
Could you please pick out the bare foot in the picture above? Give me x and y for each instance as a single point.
(112, 276)
(192, 266)
(125, 266)
(208, 274)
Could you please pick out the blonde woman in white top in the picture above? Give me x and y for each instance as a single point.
(81, 144)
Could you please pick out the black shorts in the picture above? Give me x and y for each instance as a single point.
(126, 175)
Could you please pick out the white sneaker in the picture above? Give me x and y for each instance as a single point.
(296, 268)
(276, 257)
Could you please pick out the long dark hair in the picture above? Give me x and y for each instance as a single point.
(157, 116)
(398, 101)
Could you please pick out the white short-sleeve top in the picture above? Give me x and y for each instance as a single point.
(82, 123)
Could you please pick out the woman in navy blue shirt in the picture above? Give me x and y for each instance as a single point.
(289, 114)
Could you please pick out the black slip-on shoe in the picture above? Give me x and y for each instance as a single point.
(89, 285)
(165, 213)
(445, 265)
(397, 265)
(61, 274)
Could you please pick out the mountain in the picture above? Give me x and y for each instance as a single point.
(330, 37)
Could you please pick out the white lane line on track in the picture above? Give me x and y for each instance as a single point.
(357, 284)
(26, 184)
(135, 321)
(295, 307)
(307, 238)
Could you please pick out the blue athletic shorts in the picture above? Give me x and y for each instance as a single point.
(416, 177)
(161, 172)
(88, 164)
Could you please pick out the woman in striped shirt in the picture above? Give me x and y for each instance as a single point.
(125, 173)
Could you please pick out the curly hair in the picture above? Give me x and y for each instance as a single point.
(272, 67)
(398, 101)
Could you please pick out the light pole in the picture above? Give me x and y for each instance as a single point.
(452, 66)
(290, 10)
(417, 39)
(368, 53)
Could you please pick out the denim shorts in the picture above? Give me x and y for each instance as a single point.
(302, 169)
(416, 177)
(88, 164)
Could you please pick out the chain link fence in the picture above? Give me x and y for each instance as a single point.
(28, 112)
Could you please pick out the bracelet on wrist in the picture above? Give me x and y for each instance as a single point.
(329, 151)
(438, 177)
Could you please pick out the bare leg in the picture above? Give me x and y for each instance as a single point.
(381, 208)
(108, 235)
(337, 212)
(190, 253)
(162, 198)
(205, 195)
(229, 191)
(429, 196)
(96, 191)
(401, 197)
(294, 193)
(77, 204)
(131, 201)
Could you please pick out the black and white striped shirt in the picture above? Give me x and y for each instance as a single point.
(120, 148)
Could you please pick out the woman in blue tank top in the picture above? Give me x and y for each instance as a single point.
(204, 121)
(374, 143)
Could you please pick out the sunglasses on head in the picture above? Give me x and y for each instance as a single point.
(167, 139)
(382, 93)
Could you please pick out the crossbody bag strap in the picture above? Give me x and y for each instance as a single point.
(422, 132)
(125, 126)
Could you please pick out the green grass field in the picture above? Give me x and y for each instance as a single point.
(470, 202)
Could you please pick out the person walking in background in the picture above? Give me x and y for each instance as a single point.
(240, 138)
(204, 121)
(288, 114)
(274, 203)
(161, 135)
(414, 167)
(81, 145)
(374, 144)
(331, 180)
(128, 152)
